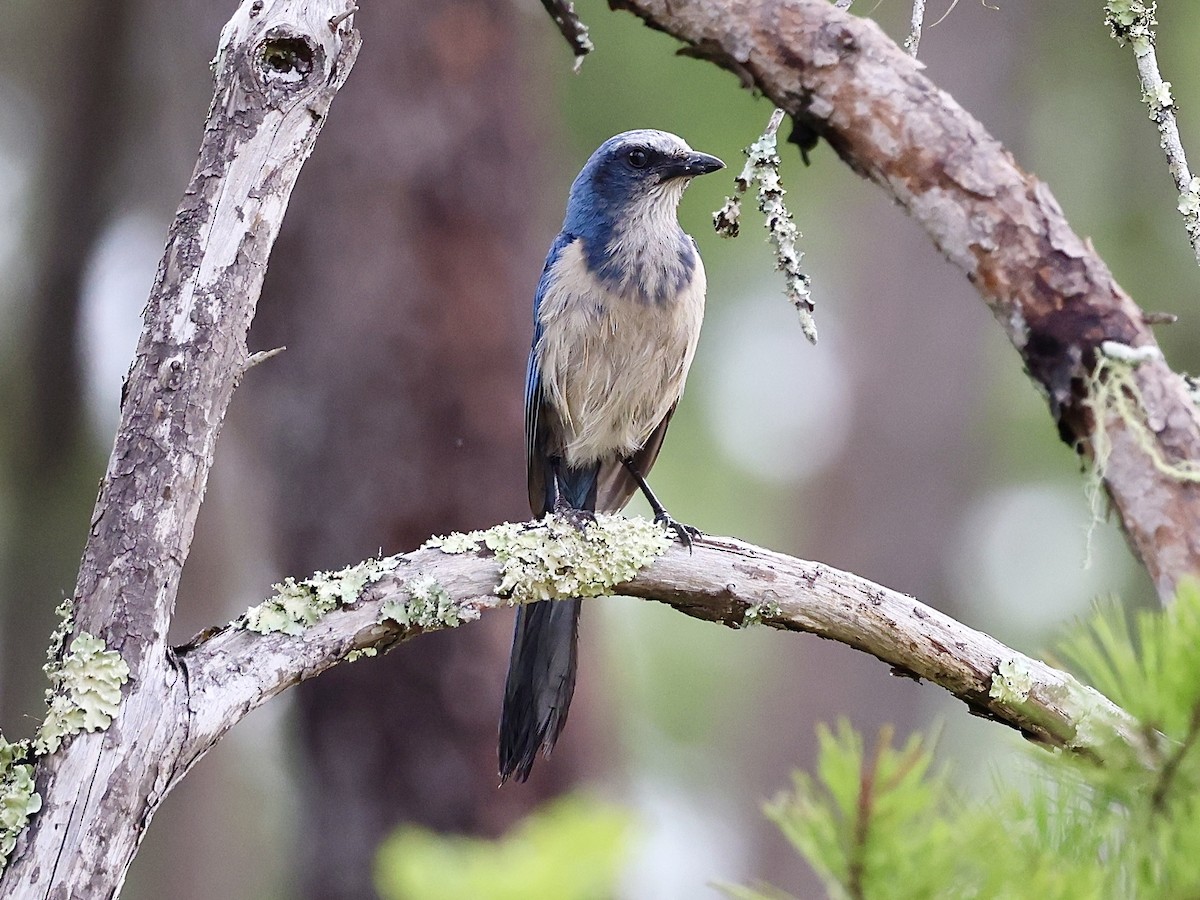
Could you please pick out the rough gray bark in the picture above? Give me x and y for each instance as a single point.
(278, 67)
(843, 79)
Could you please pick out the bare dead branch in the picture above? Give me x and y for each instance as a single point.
(723, 580)
(842, 78)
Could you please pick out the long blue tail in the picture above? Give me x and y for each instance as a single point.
(541, 680)
(541, 670)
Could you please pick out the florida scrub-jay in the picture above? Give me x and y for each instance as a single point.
(616, 320)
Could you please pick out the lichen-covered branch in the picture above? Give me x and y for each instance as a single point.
(842, 78)
(913, 42)
(277, 69)
(457, 579)
(1133, 21)
(762, 169)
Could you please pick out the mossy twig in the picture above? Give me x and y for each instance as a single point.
(1132, 22)
(762, 168)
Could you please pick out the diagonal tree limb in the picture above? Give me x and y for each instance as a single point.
(233, 670)
(842, 78)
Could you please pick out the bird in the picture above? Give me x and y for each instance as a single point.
(616, 316)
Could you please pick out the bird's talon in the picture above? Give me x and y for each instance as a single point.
(686, 533)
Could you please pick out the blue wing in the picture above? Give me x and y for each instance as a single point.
(537, 425)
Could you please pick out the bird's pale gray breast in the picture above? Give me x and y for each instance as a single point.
(613, 361)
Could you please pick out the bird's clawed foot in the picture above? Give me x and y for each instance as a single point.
(580, 518)
(685, 533)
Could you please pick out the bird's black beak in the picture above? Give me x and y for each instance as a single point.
(691, 165)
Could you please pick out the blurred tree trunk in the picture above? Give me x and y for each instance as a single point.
(48, 452)
(403, 297)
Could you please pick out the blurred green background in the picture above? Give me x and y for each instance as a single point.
(908, 446)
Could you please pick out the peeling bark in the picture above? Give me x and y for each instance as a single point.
(843, 79)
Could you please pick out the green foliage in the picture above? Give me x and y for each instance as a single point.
(882, 824)
(570, 849)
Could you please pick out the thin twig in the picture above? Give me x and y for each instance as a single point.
(261, 356)
(570, 27)
(335, 21)
(914, 35)
(1133, 21)
(762, 168)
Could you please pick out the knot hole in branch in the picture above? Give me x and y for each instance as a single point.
(285, 57)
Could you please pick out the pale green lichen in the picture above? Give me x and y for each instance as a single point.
(758, 613)
(1094, 721)
(58, 643)
(299, 604)
(458, 542)
(762, 168)
(1115, 400)
(554, 558)
(1130, 19)
(428, 605)
(1012, 682)
(86, 692)
(1189, 206)
(18, 799)
(355, 655)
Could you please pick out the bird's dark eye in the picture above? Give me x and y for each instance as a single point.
(638, 158)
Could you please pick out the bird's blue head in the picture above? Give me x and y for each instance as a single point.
(623, 206)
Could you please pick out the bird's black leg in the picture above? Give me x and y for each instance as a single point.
(580, 518)
(684, 532)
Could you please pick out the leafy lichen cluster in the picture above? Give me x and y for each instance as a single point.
(428, 606)
(299, 604)
(18, 799)
(86, 692)
(757, 613)
(1189, 207)
(1130, 19)
(1011, 682)
(556, 559)
(762, 168)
